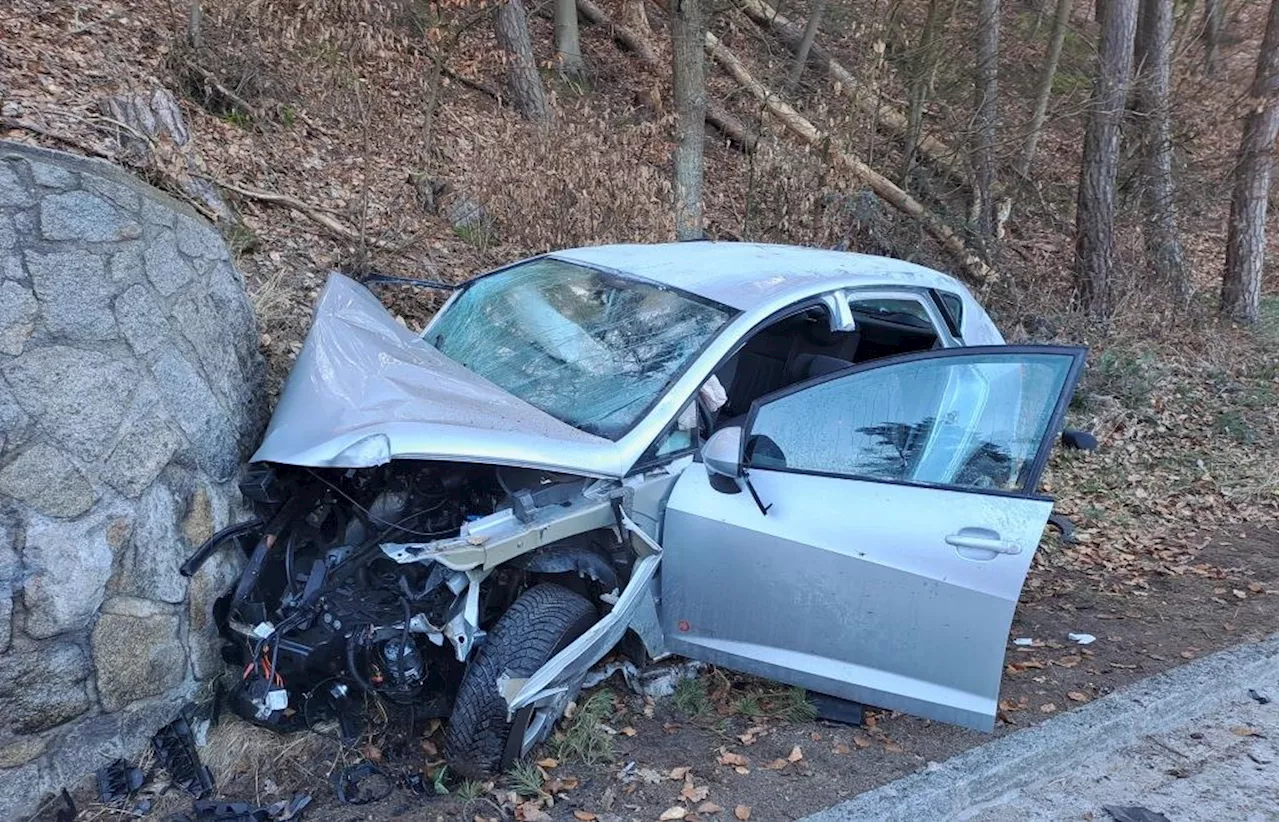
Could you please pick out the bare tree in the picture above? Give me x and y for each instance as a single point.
(922, 70)
(568, 43)
(1095, 202)
(195, 21)
(690, 91)
(1057, 35)
(806, 43)
(1151, 104)
(1211, 33)
(635, 18)
(1255, 169)
(985, 116)
(524, 84)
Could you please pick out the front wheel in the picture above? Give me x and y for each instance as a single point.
(538, 625)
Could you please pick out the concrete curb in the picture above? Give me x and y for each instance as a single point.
(1058, 745)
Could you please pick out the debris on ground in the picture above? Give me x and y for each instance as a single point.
(118, 781)
(222, 810)
(654, 681)
(175, 750)
(1134, 813)
(362, 783)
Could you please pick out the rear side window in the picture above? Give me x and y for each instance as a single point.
(952, 308)
(910, 313)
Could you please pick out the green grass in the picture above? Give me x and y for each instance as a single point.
(787, 704)
(1233, 424)
(469, 790)
(582, 738)
(793, 705)
(476, 236)
(1070, 82)
(526, 779)
(1128, 376)
(238, 118)
(749, 706)
(691, 698)
(1268, 328)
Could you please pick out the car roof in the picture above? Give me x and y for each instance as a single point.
(748, 276)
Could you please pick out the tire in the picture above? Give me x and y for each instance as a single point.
(537, 626)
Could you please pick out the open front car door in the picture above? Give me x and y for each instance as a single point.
(872, 539)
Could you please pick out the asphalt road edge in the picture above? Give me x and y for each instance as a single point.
(1054, 747)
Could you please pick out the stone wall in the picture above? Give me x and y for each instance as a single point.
(130, 391)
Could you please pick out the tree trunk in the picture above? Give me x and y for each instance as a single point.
(1151, 103)
(1211, 34)
(985, 115)
(922, 69)
(690, 92)
(884, 188)
(806, 44)
(195, 23)
(1095, 203)
(1057, 35)
(1255, 169)
(635, 41)
(635, 18)
(568, 44)
(524, 84)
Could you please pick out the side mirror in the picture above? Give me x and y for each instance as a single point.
(722, 455)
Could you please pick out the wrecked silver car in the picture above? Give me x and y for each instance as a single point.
(812, 466)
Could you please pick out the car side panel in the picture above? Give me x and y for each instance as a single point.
(847, 588)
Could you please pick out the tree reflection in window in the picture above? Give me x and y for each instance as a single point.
(969, 421)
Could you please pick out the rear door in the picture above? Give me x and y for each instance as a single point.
(900, 518)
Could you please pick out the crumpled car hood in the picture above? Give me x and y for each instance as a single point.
(366, 390)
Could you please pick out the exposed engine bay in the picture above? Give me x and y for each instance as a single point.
(381, 582)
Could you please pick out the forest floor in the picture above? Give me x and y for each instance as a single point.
(726, 744)
(1175, 513)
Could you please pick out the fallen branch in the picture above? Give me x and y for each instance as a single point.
(972, 263)
(332, 224)
(937, 153)
(717, 114)
(25, 125)
(476, 85)
(213, 81)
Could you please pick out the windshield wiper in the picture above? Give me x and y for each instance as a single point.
(391, 279)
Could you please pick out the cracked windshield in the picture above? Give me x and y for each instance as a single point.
(590, 348)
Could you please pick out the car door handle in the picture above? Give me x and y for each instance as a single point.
(995, 544)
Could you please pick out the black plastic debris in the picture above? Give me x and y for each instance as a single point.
(834, 709)
(362, 783)
(222, 810)
(1065, 527)
(68, 812)
(175, 750)
(1079, 440)
(232, 534)
(1134, 813)
(1258, 698)
(118, 781)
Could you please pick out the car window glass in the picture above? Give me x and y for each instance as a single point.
(954, 308)
(901, 311)
(591, 348)
(969, 421)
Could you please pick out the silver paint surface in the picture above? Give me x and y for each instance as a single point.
(365, 389)
(848, 587)
(365, 385)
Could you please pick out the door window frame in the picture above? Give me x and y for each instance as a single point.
(941, 328)
(1056, 419)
